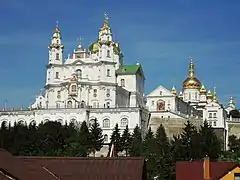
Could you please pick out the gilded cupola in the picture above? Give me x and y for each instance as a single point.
(191, 82)
(174, 91)
(203, 90)
(209, 95)
(214, 98)
(57, 33)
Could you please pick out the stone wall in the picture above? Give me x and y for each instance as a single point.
(172, 126)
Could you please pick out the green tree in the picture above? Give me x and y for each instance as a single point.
(116, 139)
(126, 140)
(85, 140)
(136, 144)
(149, 152)
(210, 145)
(189, 142)
(51, 138)
(233, 143)
(163, 155)
(96, 135)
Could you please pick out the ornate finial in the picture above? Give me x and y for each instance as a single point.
(191, 67)
(106, 17)
(105, 25)
(174, 90)
(215, 94)
(80, 42)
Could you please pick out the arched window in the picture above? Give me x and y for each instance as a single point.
(69, 104)
(74, 88)
(79, 73)
(124, 122)
(57, 56)
(106, 123)
(105, 138)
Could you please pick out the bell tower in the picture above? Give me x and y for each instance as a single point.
(56, 48)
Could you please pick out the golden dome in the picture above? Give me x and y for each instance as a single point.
(214, 98)
(174, 92)
(94, 47)
(192, 81)
(203, 89)
(209, 94)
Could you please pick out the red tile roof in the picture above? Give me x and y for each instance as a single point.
(73, 168)
(188, 170)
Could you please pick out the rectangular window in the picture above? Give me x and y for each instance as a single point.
(123, 82)
(58, 94)
(108, 53)
(236, 176)
(152, 103)
(214, 115)
(214, 123)
(108, 93)
(210, 115)
(160, 93)
(57, 75)
(57, 56)
(108, 72)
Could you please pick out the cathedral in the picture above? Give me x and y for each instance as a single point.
(193, 102)
(95, 83)
(91, 83)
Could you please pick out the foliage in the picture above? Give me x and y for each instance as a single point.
(126, 140)
(96, 136)
(116, 139)
(136, 145)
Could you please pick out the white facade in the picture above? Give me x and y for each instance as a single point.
(89, 84)
(193, 102)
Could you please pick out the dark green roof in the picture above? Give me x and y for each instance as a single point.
(128, 69)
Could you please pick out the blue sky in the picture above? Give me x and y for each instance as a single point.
(160, 34)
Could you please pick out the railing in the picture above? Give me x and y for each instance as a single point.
(237, 120)
(6, 110)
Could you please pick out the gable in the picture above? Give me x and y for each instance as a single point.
(160, 89)
(213, 104)
(77, 62)
(229, 174)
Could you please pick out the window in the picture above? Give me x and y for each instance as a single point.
(95, 93)
(236, 176)
(210, 123)
(58, 94)
(106, 123)
(124, 122)
(108, 72)
(123, 82)
(189, 96)
(69, 104)
(210, 115)
(57, 41)
(108, 93)
(214, 115)
(108, 104)
(160, 93)
(108, 53)
(57, 75)
(214, 123)
(57, 56)
(108, 38)
(196, 96)
(57, 105)
(152, 103)
(79, 73)
(105, 138)
(74, 88)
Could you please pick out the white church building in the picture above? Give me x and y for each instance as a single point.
(91, 83)
(192, 102)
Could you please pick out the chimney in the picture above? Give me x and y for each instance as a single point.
(206, 168)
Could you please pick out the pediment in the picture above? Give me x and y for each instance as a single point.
(78, 62)
(213, 104)
(160, 91)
